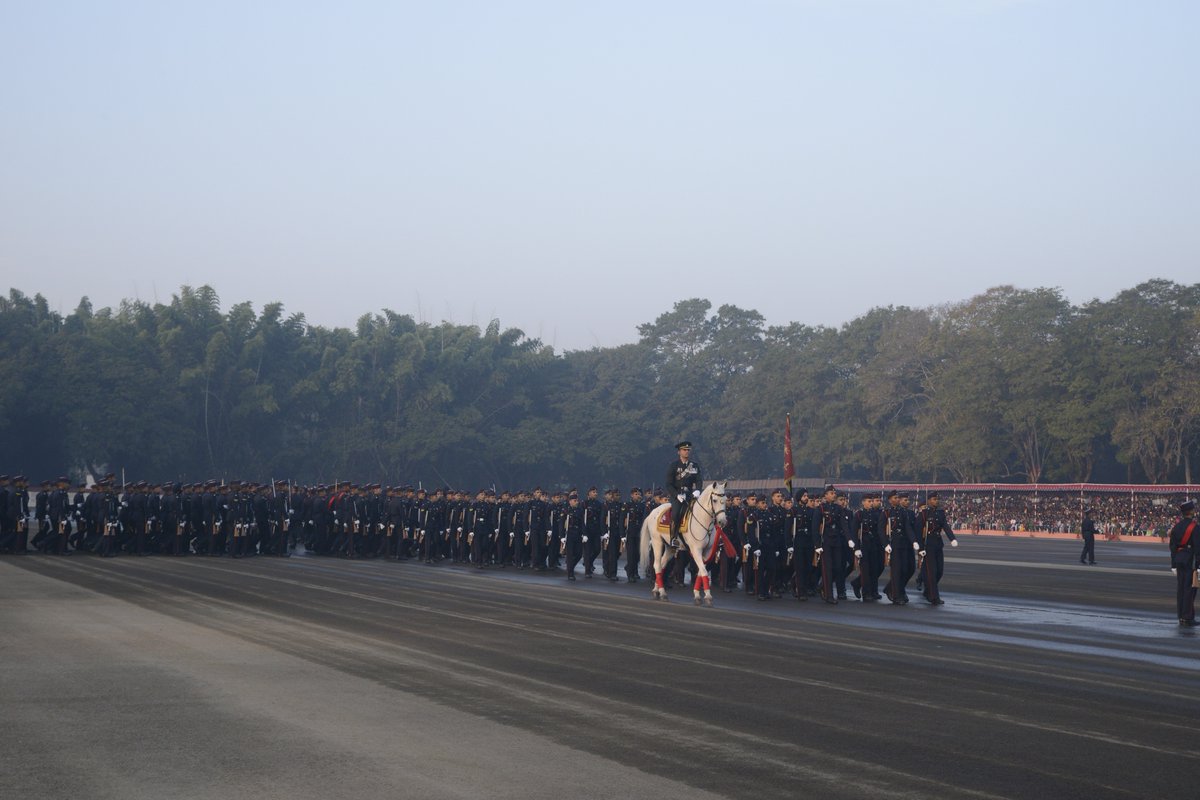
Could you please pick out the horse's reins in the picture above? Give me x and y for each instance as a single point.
(712, 515)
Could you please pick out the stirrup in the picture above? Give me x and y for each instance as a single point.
(676, 543)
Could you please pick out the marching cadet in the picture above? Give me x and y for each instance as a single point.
(748, 537)
(556, 532)
(59, 512)
(931, 525)
(19, 506)
(866, 532)
(593, 529)
(575, 537)
(1182, 542)
(635, 516)
(832, 539)
(805, 544)
(728, 565)
(539, 530)
(41, 516)
(614, 514)
(772, 541)
(901, 548)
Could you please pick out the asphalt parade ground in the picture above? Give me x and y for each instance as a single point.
(326, 678)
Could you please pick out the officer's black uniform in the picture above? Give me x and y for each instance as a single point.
(683, 480)
(1088, 531)
(1183, 561)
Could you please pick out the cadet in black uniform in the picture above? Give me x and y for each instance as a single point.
(931, 525)
(635, 515)
(1183, 563)
(901, 544)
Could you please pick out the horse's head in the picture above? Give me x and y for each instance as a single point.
(716, 501)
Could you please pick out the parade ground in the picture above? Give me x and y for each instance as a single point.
(307, 677)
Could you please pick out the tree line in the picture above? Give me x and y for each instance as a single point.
(1011, 385)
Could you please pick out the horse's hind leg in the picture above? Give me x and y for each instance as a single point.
(659, 592)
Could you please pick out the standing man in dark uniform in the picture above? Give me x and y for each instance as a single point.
(931, 525)
(1183, 563)
(1088, 531)
(683, 483)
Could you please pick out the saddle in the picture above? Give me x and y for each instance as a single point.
(664, 522)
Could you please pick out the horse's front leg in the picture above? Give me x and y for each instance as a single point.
(702, 590)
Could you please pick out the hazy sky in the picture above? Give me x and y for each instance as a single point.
(575, 168)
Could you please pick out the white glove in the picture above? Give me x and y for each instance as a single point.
(887, 549)
(1174, 571)
(290, 513)
(858, 553)
(757, 553)
(681, 497)
(460, 530)
(547, 532)
(623, 538)
(695, 493)
(820, 550)
(585, 539)
(526, 532)
(746, 549)
(921, 553)
(954, 543)
(916, 545)
(126, 505)
(497, 531)
(791, 549)
(851, 544)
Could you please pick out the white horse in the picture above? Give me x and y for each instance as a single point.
(707, 511)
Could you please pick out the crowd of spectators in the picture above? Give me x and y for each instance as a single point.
(1115, 513)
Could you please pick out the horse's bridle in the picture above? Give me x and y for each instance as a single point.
(712, 515)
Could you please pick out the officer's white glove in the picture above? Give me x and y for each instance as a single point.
(954, 543)
(1174, 571)
(746, 549)
(547, 532)
(916, 546)
(791, 549)
(585, 539)
(887, 549)
(497, 531)
(757, 553)
(851, 544)
(460, 530)
(681, 497)
(126, 505)
(858, 553)
(820, 550)
(623, 538)
(695, 492)
(921, 553)
(290, 512)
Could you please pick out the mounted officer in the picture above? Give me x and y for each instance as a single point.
(683, 484)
